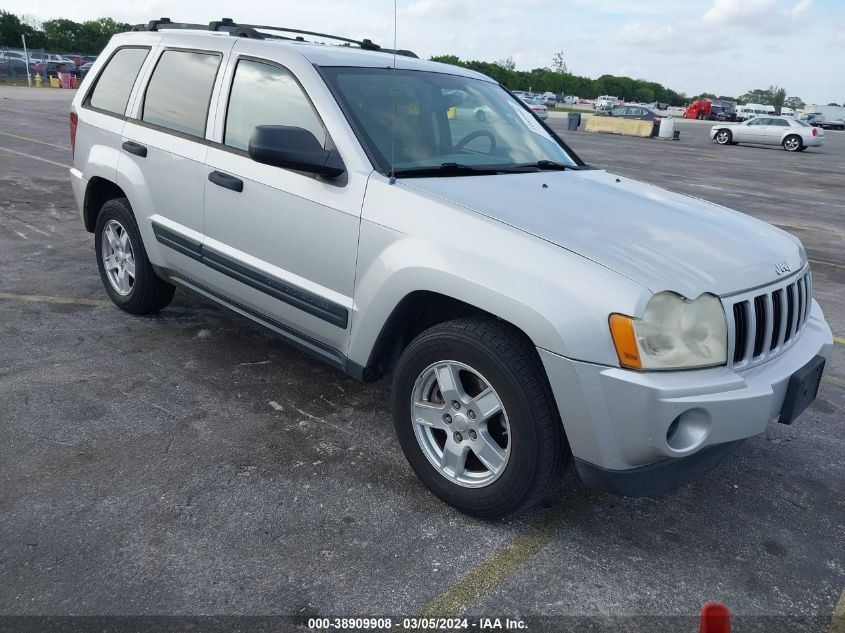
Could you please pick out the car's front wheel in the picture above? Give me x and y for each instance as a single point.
(724, 137)
(127, 274)
(476, 418)
(792, 143)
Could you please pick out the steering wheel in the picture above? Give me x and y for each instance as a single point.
(474, 135)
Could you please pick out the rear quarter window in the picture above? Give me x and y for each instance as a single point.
(179, 92)
(113, 86)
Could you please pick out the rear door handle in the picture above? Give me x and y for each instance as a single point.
(225, 180)
(135, 148)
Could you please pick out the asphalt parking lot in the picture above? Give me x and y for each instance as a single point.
(189, 464)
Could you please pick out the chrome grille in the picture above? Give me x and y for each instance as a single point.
(763, 323)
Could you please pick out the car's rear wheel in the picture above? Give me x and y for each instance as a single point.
(792, 143)
(724, 137)
(125, 270)
(476, 418)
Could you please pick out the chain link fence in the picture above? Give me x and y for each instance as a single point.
(41, 67)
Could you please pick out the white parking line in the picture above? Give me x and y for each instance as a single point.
(43, 160)
(32, 140)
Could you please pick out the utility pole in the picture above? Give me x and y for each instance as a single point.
(26, 61)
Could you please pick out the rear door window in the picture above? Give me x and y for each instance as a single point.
(179, 91)
(111, 92)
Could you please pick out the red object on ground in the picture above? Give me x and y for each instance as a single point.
(715, 618)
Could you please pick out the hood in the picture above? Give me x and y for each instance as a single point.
(660, 239)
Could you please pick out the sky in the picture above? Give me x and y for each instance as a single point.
(722, 46)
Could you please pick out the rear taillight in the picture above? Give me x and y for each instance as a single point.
(815, 132)
(74, 120)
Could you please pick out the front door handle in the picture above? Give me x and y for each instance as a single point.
(225, 180)
(135, 148)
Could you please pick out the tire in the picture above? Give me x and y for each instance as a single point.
(793, 143)
(144, 293)
(484, 352)
(724, 137)
(700, 117)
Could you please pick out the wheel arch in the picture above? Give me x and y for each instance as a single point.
(99, 191)
(413, 314)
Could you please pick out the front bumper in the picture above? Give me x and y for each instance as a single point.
(617, 420)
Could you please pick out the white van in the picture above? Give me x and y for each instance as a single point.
(750, 110)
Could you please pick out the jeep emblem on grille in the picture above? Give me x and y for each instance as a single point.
(782, 267)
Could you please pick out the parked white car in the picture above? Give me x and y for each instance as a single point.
(529, 309)
(794, 135)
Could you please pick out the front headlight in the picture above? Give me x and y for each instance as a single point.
(674, 333)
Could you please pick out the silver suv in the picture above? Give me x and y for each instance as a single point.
(529, 308)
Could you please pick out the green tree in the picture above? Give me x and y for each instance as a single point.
(778, 96)
(507, 64)
(559, 63)
(93, 35)
(796, 103)
(12, 28)
(548, 80)
(758, 95)
(61, 35)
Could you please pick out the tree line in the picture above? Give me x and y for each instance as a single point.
(560, 81)
(60, 35)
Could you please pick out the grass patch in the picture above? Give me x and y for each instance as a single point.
(19, 81)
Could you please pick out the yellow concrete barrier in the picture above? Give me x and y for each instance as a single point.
(626, 127)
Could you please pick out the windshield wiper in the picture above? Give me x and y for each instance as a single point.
(448, 169)
(545, 165)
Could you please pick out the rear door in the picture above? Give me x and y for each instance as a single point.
(164, 149)
(102, 113)
(776, 130)
(280, 242)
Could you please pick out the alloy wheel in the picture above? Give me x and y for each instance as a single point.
(460, 424)
(118, 257)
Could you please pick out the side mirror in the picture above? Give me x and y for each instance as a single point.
(293, 148)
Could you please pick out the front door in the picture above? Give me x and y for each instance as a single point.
(280, 242)
(755, 131)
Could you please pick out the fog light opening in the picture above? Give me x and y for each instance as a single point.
(688, 430)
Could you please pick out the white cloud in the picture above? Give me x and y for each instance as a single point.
(684, 38)
(735, 12)
(801, 9)
(761, 16)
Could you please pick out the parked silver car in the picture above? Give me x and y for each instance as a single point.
(537, 107)
(527, 308)
(794, 135)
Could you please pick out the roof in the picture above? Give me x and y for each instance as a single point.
(353, 53)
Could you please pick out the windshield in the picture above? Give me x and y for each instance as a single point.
(442, 121)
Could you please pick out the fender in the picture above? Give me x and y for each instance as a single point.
(549, 293)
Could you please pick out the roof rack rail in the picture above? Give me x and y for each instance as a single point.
(253, 31)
